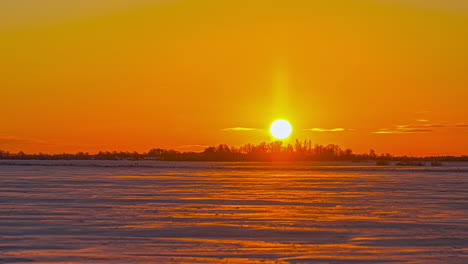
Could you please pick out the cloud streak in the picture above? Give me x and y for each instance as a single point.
(401, 131)
(239, 129)
(8, 140)
(424, 128)
(192, 146)
(317, 129)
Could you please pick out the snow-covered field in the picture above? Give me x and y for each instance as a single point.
(183, 212)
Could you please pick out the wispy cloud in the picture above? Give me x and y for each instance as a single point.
(8, 140)
(192, 146)
(422, 128)
(239, 129)
(401, 131)
(433, 125)
(317, 129)
(423, 112)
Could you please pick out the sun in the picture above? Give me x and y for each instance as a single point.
(280, 129)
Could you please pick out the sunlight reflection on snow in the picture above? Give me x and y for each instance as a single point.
(216, 214)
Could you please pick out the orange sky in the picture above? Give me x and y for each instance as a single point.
(131, 75)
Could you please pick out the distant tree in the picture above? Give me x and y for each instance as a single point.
(272, 151)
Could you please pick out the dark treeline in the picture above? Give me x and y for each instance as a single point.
(274, 151)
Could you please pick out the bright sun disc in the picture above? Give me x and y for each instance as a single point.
(280, 129)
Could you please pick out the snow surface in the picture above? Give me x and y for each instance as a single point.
(201, 212)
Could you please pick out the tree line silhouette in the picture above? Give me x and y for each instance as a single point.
(273, 151)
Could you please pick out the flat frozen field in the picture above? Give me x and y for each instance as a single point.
(183, 212)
